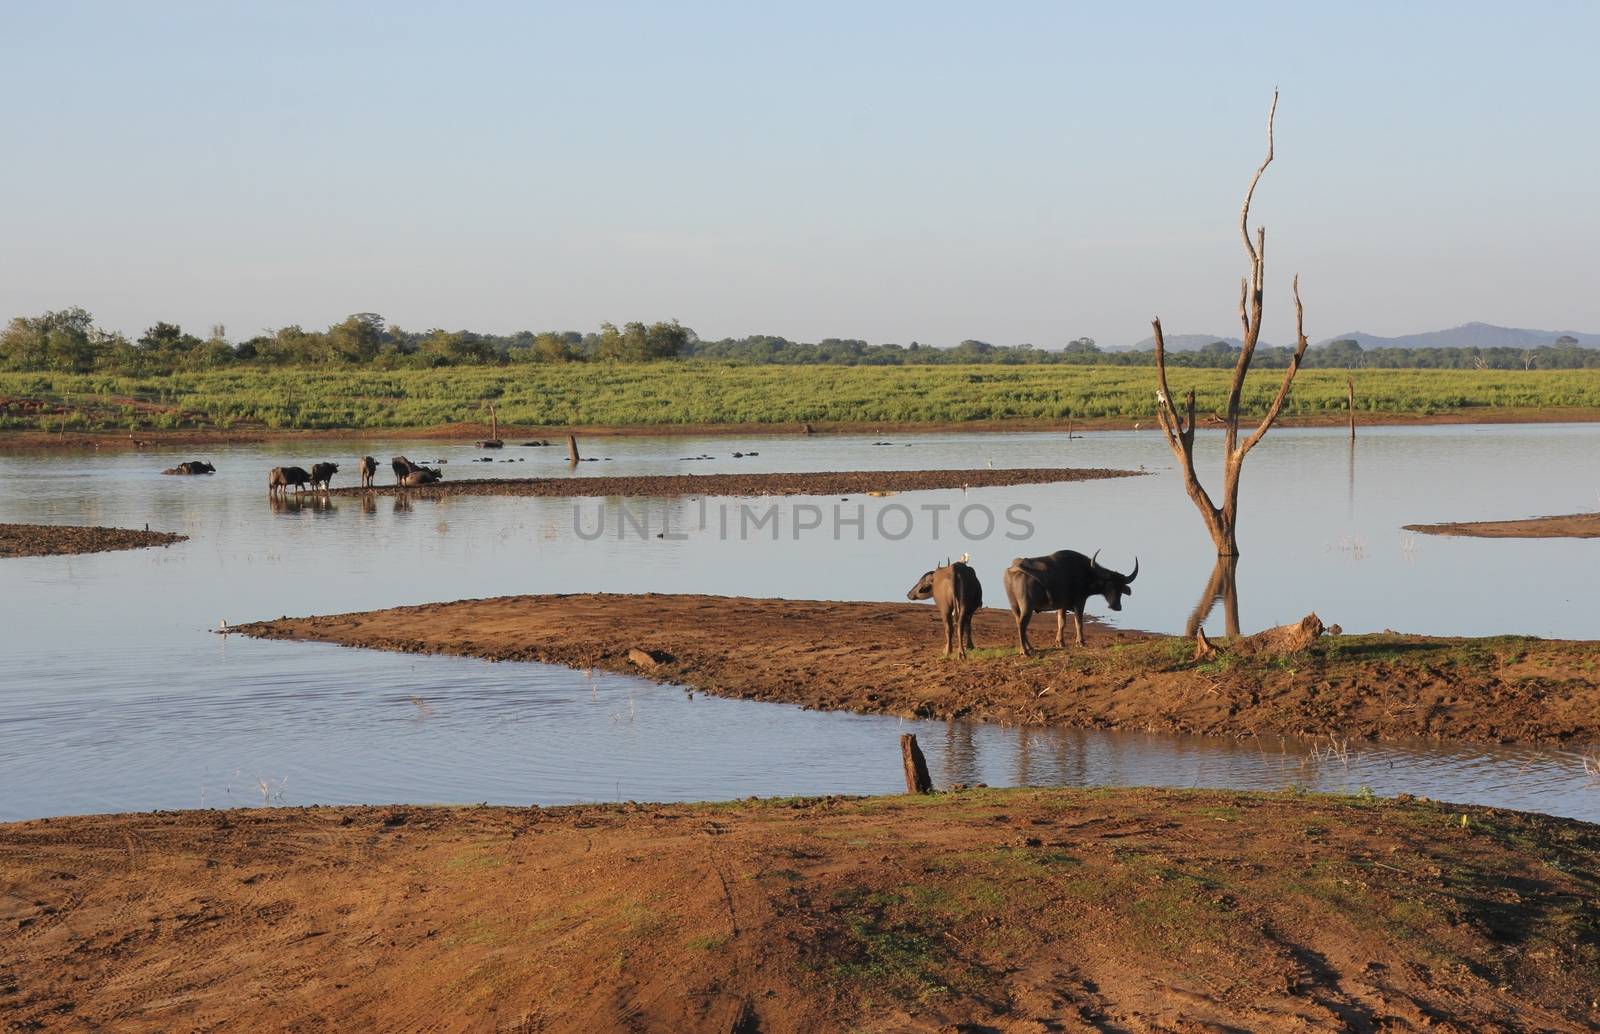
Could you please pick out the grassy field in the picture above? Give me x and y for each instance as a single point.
(600, 394)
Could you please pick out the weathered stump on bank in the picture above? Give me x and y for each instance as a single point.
(916, 766)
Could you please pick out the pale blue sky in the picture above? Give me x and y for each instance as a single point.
(1015, 172)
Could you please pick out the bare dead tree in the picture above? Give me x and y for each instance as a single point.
(1222, 521)
(1350, 402)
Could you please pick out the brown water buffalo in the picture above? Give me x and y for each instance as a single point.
(191, 467)
(369, 470)
(282, 478)
(322, 474)
(957, 595)
(422, 476)
(1062, 581)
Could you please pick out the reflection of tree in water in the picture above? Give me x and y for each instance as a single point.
(1223, 585)
(1351, 505)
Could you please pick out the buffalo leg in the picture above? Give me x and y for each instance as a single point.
(1061, 628)
(1023, 616)
(949, 628)
(960, 625)
(1077, 619)
(966, 629)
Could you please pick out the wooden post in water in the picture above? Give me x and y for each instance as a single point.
(572, 448)
(494, 424)
(916, 766)
(1350, 403)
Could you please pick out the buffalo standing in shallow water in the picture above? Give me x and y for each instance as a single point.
(322, 474)
(957, 595)
(1062, 581)
(282, 478)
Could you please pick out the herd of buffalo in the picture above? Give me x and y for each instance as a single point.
(319, 477)
(1062, 582)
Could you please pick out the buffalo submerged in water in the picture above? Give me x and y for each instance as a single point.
(191, 467)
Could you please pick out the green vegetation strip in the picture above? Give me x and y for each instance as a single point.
(702, 392)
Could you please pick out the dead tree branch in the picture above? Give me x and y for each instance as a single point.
(1222, 521)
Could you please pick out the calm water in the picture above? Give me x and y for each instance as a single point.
(115, 696)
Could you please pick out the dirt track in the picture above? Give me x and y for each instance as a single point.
(1010, 911)
(18, 540)
(1569, 526)
(882, 658)
(843, 482)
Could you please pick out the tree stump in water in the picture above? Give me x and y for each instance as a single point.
(916, 766)
(572, 448)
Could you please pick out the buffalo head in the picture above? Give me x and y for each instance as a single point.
(923, 590)
(1111, 584)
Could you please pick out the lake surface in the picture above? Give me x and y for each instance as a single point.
(116, 697)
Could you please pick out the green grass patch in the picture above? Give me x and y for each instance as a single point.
(708, 392)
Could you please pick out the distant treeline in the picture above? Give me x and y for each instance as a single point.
(68, 342)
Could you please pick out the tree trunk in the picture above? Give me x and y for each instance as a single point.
(1350, 404)
(916, 766)
(1222, 521)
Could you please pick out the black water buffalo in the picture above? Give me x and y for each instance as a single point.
(402, 467)
(191, 467)
(1062, 581)
(322, 474)
(957, 594)
(369, 470)
(282, 478)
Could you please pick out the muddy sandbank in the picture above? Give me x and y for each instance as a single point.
(821, 483)
(883, 658)
(1567, 526)
(19, 540)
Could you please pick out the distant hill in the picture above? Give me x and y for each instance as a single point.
(1185, 343)
(1469, 335)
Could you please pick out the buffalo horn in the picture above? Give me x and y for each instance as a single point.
(1135, 573)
